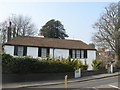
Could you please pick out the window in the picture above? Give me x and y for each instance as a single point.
(82, 53)
(73, 53)
(77, 53)
(20, 50)
(43, 52)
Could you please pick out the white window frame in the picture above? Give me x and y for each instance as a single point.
(82, 53)
(20, 51)
(43, 52)
(77, 53)
(73, 53)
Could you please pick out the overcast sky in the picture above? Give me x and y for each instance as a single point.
(77, 17)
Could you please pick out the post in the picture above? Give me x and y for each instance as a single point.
(65, 82)
(78, 73)
(111, 68)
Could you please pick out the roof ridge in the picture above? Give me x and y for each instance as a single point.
(49, 42)
(53, 38)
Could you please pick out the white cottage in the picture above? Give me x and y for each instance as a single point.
(41, 47)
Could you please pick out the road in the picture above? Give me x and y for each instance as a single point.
(110, 82)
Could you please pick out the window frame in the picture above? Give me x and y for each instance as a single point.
(78, 53)
(82, 54)
(43, 52)
(20, 51)
(16, 51)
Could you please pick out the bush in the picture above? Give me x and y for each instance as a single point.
(96, 64)
(23, 65)
(6, 62)
(31, 65)
(118, 64)
(84, 67)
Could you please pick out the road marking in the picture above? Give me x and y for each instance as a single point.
(114, 86)
(95, 88)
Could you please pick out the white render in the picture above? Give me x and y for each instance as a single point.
(9, 49)
(91, 56)
(58, 53)
(32, 51)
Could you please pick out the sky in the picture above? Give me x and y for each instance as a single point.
(77, 17)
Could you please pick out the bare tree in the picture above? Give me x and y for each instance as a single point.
(108, 32)
(21, 26)
(3, 32)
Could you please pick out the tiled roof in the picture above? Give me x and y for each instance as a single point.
(49, 42)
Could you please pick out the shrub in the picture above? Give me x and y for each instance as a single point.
(23, 65)
(118, 64)
(85, 65)
(96, 64)
(77, 64)
(31, 65)
(6, 62)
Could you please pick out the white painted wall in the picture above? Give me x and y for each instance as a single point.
(59, 53)
(32, 51)
(51, 52)
(91, 56)
(9, 49)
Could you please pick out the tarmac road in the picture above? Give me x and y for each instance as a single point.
(97, 84)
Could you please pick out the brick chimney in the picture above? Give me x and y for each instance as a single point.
(9, 32)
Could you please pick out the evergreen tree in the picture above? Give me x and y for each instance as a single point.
(53, 29)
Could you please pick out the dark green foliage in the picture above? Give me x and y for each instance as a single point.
(6, 62)
(54, 29)
(118, 64)
(84, 67)
(31, 65)
(23, 65)
(96, 64)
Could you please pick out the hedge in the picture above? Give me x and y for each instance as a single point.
(118, 64)
(31, 65)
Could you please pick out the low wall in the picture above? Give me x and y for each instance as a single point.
(93, 72)
(10, 78)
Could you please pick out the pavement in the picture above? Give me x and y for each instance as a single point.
(57, 82)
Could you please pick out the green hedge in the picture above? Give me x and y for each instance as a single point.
(31, 65)
(118, 64)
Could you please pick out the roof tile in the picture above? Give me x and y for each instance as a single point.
(49, 42)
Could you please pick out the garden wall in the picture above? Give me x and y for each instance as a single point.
(10, 78)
